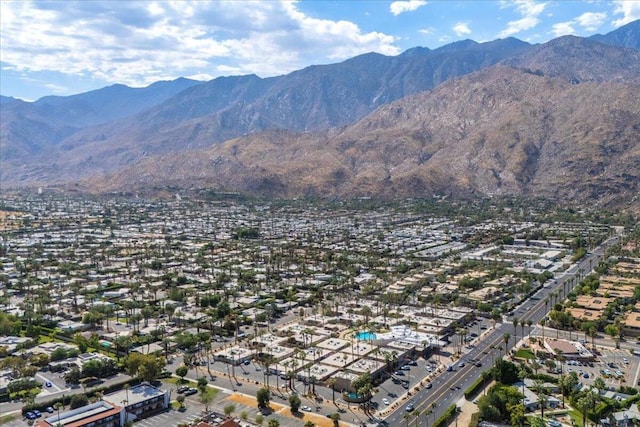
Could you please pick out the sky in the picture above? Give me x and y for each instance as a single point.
(67, 47)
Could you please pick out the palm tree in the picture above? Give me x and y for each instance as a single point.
(542, 397)
(332, 384)
(505, 338)
(407, 416)
(57, 407)
(515, 327)
(416, 415)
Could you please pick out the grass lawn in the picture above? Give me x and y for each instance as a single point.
(212, 392)
(525, 353)
(576, 416)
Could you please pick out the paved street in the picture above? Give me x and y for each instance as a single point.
(450, 386)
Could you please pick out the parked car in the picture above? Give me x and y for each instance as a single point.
(406, 368)
(30, 415)
(50, 409)
(305, 408)
(47, 384)
(385, 401)
(182, 389)
(413, 363)
(190, 391)
(37, 413)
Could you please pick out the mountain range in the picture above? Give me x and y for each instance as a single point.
(559, 119)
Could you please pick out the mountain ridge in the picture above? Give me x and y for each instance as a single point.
(314, 131)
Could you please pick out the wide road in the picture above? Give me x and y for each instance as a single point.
(449, 387)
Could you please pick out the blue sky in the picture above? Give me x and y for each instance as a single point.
(66, 47)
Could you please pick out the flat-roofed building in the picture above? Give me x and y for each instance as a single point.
(593, 303)
(340, 360)
(99, 414)
(333, 344)
(632, 324)
(140, 401)
(235, 355)
(584, 314)
(362, 366)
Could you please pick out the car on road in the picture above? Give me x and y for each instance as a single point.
(429, 385)
(449, 368)
(190, 391)
(410, 407)
(385, 401)
(478, 364)
(246, 362)
(461, 365)
(305, 408)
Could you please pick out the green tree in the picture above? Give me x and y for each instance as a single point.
(182, 371)
(78, 401)
(517, 415)
(202, 384)
(505, 372)
(229, 409)
(263, 396)
(205, 399)
(180, 399)
(273, 423)
(294, 402)
(335, 417)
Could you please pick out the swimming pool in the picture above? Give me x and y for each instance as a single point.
(365, 336)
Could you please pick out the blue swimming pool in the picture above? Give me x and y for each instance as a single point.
(365, 336)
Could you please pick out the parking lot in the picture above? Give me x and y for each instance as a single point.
(616, 367)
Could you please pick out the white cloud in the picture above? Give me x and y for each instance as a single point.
(398, 7)
(563, 29)
(529, 10)
(428, 30)
(461, 29)
(137, 43)
(630, 9)
(591, 20)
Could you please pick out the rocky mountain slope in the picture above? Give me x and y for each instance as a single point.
(498, 131)
(558, 114)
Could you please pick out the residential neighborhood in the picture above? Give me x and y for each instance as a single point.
(204, 312)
